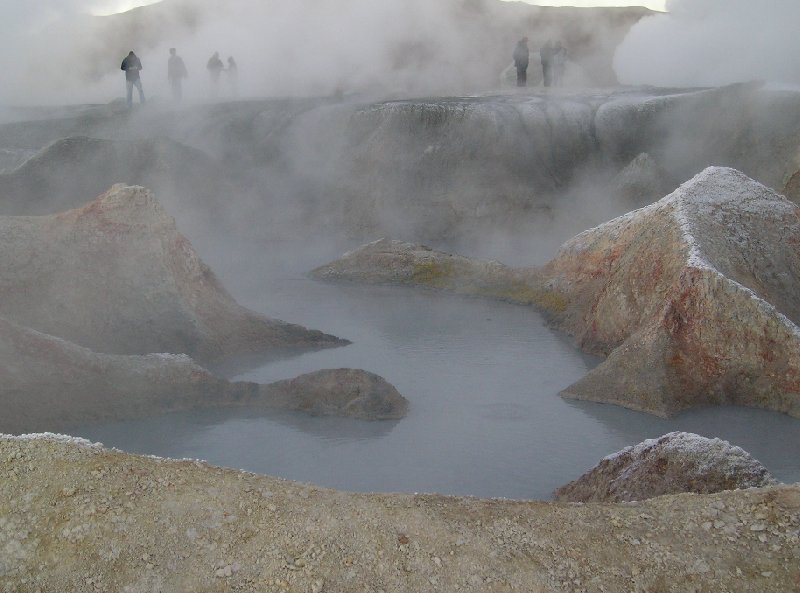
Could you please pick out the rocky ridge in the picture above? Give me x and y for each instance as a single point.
(691, 298)
(75, 516)
(674, 463)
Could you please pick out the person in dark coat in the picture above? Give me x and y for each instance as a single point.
(132, 66)
(215, 68)
(176, 72)
(521, 57)
(232, 74)
(547, 54)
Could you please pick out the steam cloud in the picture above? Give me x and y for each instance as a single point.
(297, 47)
(713, 42)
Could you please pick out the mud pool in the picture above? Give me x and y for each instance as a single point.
(482, 379)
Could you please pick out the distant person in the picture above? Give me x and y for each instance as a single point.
(232, 75)
(176, 72)
(521, 58)
(215, 67)
(559, 63)
(546, 54)
(132, 66)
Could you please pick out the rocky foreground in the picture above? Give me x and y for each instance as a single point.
(692, 299)
(77, 517)
(117, 277)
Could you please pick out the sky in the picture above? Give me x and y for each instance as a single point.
(651, 4)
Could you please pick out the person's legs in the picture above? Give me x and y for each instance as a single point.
(129, 92)
(138, 83)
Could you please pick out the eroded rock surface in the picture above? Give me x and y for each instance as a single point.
(674, 463)
(116, 276)
(76, 517)
(51, 384)
(692, 299)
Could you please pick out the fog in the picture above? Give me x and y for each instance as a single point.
(325, 143)
(713, 42)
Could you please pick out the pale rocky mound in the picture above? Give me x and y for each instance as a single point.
(640, 183)
(674, 463)
(388, 261)
(61, 175)
(51, 384)
(77, 517)
(693, 299)
(116, 276)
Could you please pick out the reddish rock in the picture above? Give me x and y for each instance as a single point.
(116, 276)
(693, 299)
(677, 462)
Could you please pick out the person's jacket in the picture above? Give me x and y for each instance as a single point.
(131, 65)
(521, 54)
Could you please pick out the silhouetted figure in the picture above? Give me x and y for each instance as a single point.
(176, 72)
(215, 67)
(232, 74)
(132, 65)
(559, 63)
(546, 54)
(521, 58)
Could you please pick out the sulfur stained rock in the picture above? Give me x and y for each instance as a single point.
(674, 463)
(692, 299)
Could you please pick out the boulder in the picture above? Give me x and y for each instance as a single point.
(339, 392)
(693, 299)
(674, 463)
(117, 277)
(51, 384)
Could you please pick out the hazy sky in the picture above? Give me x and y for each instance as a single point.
(652, 4)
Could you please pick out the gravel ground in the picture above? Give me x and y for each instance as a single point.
(77, 517)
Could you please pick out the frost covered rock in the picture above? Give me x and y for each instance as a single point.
(674, 463)
(51, 384)
(116, 276)
(693, 299)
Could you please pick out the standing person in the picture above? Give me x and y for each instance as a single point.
(132, 65)
(546, 55)
(176, 72)
(559, 63)
(215, 67)
(521, 57)
(232, 74)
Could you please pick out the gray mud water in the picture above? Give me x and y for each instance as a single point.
(482, 379)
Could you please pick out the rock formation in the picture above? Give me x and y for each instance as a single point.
(692, 299)
(339, 392)
(116, 276)
(77, 517)
(51, 384)
(62, 174)
(421, 169)
(674, 463)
